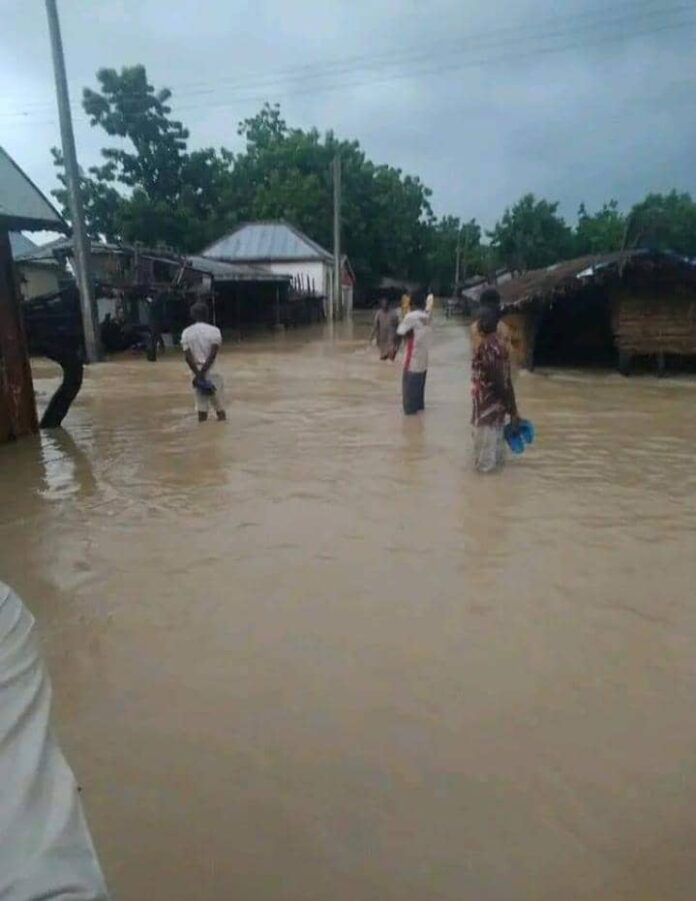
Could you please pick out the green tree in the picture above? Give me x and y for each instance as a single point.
(664, 222)
(101, 200)
(531, 235)
(446, 235)
(601, 232)
(151, 189)
(285, 173)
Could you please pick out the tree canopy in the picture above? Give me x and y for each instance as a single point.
(152, 188)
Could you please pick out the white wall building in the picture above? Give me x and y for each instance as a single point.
(284, 250)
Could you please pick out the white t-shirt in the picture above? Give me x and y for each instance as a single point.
(416, 327)
(200, 338)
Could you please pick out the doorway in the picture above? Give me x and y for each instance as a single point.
(577, 331)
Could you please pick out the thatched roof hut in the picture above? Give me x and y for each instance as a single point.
(608, 309)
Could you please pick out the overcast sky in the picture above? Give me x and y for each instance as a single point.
(483, 100)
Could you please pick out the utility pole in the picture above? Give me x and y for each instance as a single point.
(335, 303)
(82, 257)
(459, 275)
(457, 263)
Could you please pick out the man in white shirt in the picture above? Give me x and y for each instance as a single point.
(415, 328)
(45, 846)
(201, 343)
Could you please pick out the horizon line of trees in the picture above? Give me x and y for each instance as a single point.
(151, 188)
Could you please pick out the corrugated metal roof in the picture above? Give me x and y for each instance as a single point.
(223, 271)
(22, 205)
(266, 241)
(19, 244)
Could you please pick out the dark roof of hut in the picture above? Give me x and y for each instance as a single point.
(542, 285)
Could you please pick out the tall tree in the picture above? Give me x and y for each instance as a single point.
(600, 232)
(446, 236)
(664, 222)
(150, 187)
(285, 173)
(532, 235)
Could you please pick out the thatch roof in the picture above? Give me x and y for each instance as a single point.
(541, 286)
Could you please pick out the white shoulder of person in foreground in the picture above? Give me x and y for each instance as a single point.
(201, 343)
(45, 848)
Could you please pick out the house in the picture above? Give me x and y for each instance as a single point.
(285, 250)
(38, 270)
(241, 294)
(613, 309)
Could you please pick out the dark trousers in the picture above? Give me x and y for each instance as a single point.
(413, 392)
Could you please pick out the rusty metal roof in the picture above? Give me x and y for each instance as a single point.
(223, 271)
(266, 242)
(540, 285)
(22, 206)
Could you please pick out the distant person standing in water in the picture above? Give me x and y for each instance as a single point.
(201, 343)
(492, 394)
(384, 330)
(415, 328)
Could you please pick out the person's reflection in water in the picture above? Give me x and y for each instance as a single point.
(66, 469)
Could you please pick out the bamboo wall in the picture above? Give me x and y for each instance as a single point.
(648, 324)
(522, 338)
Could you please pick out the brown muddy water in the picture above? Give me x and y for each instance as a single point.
(308, 655)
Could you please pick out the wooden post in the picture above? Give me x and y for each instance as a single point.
(531, 332)
(16, 387)
(277, 307)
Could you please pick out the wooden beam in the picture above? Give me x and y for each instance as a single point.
(16, 387)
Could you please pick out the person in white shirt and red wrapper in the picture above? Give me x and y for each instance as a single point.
(416, 331)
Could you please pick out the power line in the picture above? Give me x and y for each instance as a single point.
(333, 81)
(614, 17)
(531, 53)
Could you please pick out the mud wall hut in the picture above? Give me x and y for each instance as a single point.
(620, 309)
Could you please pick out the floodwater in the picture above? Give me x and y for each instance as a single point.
(308, 654)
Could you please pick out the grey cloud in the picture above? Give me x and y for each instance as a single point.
(597, 121)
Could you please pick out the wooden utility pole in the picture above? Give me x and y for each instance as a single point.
(335, 301)
(82, 256)
(457, 263)
(17, 404)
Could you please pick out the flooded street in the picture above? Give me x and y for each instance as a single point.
(309, 654)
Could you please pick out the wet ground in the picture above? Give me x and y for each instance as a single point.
(308, 654)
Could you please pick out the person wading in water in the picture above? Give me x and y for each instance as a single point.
(384, 330)
(201, 343)
(492, 394)
(415, 328)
